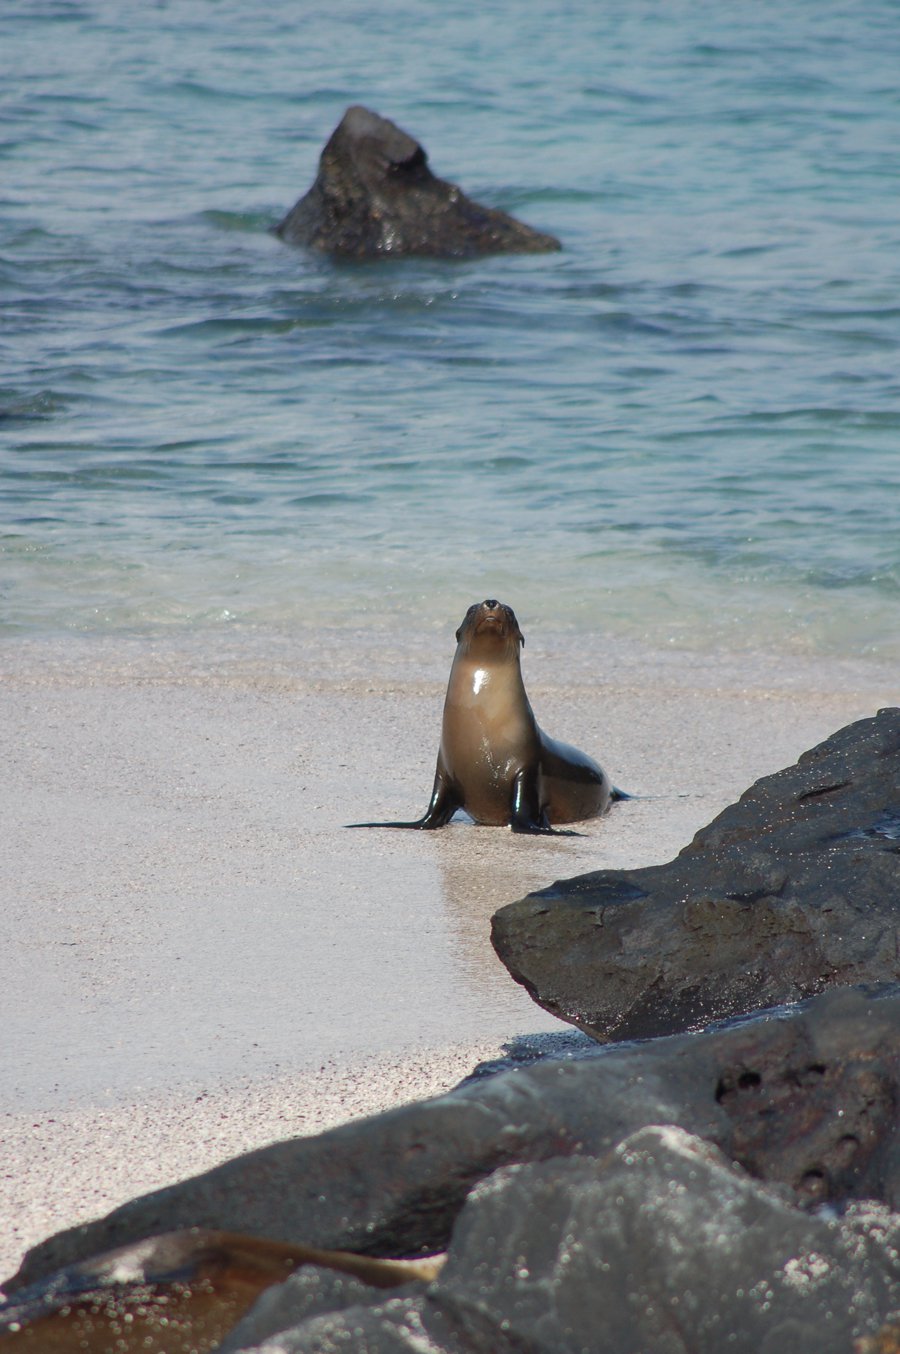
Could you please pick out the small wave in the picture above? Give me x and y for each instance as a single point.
(234, 329)
(619, 94)
(245, 223)
(626, 322)
(885, 582)
(328, 500)
(812, 416)
(17, 408)
(194, 89)
(748, 251)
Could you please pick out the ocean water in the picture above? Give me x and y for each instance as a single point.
(684, 428)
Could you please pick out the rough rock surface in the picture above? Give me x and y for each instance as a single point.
(375, 197)
(662, 1246)
(804, 1099)
(793, 889)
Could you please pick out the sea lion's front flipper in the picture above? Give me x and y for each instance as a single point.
(445, 800)
(526, 813)
(444, 803)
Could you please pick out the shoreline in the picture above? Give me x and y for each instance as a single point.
(201, 960)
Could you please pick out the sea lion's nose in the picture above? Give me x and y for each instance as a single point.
(491, 603)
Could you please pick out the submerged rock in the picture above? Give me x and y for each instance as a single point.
(375, 197)
(180, 1291)
(793, 889)
(804, 1099)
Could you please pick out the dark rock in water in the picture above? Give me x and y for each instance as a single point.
(664, 1245)
(804, 1099)
(375, 197)
(791, 890)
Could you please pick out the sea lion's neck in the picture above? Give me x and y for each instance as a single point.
(480, 680)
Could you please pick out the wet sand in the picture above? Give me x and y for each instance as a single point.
(199, 958)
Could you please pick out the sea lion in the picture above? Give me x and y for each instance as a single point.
(494, 761)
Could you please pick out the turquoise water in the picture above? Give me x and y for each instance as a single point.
(684, 428)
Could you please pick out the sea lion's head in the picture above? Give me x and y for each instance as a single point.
(490, 628)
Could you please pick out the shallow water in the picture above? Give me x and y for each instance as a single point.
(682, 429)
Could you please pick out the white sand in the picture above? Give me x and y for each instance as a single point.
(198, 958)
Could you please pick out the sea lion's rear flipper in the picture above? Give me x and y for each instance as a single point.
(526, 814)
(444, 803)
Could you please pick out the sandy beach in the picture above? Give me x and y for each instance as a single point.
(200, 958)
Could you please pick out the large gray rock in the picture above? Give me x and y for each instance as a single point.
(804, 1099)
(793, 889)
(375, 197)
(662, 1246)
